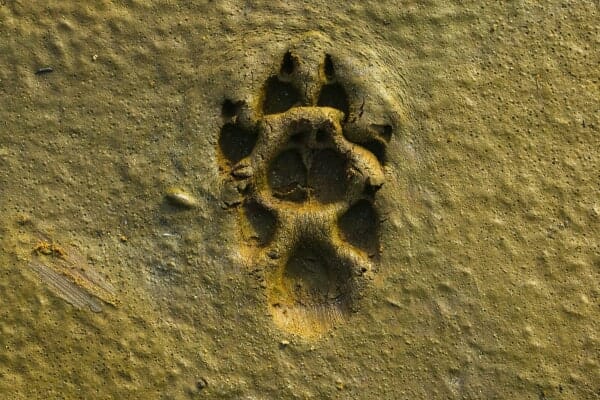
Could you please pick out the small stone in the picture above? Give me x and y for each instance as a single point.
(45, 70)
(201, 384)
(94, 57)
(180, 198)
(231, 196)
(284, 343)
(242, 171)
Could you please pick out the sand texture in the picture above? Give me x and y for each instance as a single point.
(299, 200)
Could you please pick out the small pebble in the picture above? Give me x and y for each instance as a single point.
(284, 343)
(231, 196)
(201, 384)
(242, 171)
(44, 70)
(180, 198)
(94, 57)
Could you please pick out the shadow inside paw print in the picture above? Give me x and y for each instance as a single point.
(306, 178)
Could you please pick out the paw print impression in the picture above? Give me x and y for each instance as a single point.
(303, 170)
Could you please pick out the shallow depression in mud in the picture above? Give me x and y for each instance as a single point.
(327, 176)
(236, 142)
(313, 275)
(325, 181)
(359, 226)
(287, 176)
(313, 291)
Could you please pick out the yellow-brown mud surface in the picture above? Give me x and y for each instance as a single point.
(484, 278)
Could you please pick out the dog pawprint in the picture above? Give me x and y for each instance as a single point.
(304, 183)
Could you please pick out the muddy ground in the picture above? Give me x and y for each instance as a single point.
(322, 200)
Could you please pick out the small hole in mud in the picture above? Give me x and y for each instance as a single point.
(263, 221)
(359, 226)
(279, 96)
(289, 63)
(327, 176)
(236, 142)
(328, 67)
(287, 176)
(370, 190)
(334, 95)
(377, 148)
(383, 131)
(230, 109)
(321, 136)
(300, 137)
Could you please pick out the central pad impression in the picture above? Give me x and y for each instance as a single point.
(310, 165)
